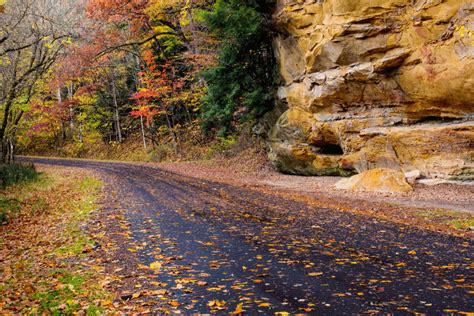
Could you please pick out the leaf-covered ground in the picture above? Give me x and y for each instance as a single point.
(170, 243)
(45, 262)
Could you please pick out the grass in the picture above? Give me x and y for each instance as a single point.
(8, 208)
(33, 182)
(49, 213)
(462, 223)
(455, 219)
(89, 188)
(16, 173)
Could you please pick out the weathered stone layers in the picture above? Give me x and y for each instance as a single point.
(375, 84)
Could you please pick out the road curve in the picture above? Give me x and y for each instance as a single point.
(274, 254)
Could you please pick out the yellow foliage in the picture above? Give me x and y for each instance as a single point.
(157, 7)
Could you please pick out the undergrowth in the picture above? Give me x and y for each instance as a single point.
(11, 174)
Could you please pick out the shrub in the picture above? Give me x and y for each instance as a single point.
(16, 173)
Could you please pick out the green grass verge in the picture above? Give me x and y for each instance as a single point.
(455, 219)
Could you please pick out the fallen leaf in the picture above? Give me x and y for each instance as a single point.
(173, 303)
(239, 309)
(155, 266)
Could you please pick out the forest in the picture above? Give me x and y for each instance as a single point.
(166, 78)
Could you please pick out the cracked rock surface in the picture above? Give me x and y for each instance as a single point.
(375, 84)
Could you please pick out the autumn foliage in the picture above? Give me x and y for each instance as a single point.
(141, 70)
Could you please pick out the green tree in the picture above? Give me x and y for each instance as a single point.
(241, 84)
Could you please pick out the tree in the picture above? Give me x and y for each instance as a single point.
(33, 35)
(241, 84)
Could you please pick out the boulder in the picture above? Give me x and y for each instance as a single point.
(376, 180)
(375, 84)
(412, 176)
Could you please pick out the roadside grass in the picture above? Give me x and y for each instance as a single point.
(11, 174)
(46, 267)
(455, 219)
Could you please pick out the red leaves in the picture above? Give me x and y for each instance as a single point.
(146, 112)
(119, 11)
(146, 94)
(157, 88)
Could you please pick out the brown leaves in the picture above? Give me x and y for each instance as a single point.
(48, 231)
(161, 292)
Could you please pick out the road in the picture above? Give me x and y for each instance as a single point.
(277, 255)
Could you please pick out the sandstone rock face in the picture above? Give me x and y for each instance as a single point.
(377, 180)
(375, 84)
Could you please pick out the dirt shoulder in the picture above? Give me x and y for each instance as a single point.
(444, 207)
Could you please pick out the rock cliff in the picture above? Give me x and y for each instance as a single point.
(375, 84)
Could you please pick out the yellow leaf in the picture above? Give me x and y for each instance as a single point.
(136, 295)
(173, 303)
(315, 273)
(106, 303)
(216, 303)
(412, 252)
(264, 305)
(239, 309)
(155, 266)
(159, 292)
(282, 313)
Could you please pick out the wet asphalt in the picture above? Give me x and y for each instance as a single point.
(274, 255)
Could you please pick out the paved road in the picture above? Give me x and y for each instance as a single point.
(275, 255)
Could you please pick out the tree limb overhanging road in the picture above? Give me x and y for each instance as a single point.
(219, 246)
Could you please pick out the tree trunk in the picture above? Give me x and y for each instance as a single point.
(173, 135)
(79, 134)
(10, 151)
(117, 116)
(71, 110)
(63, 128)
(143, 131)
